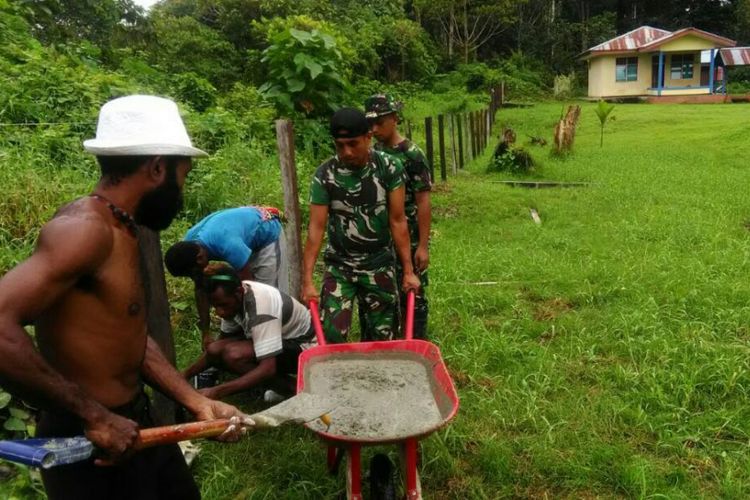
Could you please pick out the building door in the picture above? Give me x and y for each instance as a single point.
(705, 73)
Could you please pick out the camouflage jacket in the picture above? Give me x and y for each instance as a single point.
(417, 179)
(359, 235)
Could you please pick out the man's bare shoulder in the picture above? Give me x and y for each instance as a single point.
(79, 232)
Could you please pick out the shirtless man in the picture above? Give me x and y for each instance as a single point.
(82, 291)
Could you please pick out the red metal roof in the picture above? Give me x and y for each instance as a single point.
(736, 56)
(647, 38)
(632, 40)
(718, 40)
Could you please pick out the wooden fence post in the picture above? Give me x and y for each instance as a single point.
(157, 314)
(474, 148)
(502, 94)
(441, 145)
(491, 120)
(459, 119)
(480, 126)
(480, 135)
(487, 129)
(293, 226)
(488, 134)
(428, 145)
(452, 126)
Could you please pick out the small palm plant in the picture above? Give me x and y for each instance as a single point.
(603, 109)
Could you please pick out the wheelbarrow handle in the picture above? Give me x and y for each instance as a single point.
(408, 327)
(317, 326)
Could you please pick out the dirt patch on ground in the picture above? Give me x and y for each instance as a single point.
(461, 379)
(493, 322)
(546, 309)
(442, 187)
(446, 212)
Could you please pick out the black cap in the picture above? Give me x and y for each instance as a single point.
(347, 123)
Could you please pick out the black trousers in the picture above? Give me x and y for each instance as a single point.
(151, 474)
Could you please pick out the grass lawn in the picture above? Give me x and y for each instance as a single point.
(607, 356)
(610, 357)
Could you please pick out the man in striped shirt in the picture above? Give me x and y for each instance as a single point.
(263, 332)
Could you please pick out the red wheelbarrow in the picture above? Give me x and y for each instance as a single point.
(394, 391)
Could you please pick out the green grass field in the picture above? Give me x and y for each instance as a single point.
(600, 354)
(609, 356)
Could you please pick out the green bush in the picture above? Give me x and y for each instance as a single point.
(194, 90)
(304, 72)
(406, 52)
(738, 88)
(564, 86)
(254, 112)
(510, 159)
(185, 45)
(267, 29)
(477, 77)
(525, 77)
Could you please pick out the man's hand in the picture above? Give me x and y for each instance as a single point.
(410, 282)
(421, 259)
(206, 339)
(113, 435)
(309, 292)
(240, 422)
(209, 392)
(212, 269)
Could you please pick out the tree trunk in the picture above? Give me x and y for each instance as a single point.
(565, 130)
(552, 15)
(466, 33)
(519, 28)
(451, 23)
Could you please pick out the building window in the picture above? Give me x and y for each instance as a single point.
(626, 69)
(681, 67)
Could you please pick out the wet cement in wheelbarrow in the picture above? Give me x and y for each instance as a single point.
(377, 398)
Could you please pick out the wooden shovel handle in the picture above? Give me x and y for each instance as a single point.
(169, 434)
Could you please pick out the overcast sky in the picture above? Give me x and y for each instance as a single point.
(146, 3)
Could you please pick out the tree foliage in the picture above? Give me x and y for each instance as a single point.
(405, 52)
(184, 45)
(304, 72)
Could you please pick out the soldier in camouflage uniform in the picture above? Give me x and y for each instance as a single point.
(359, 195)
(383, 113)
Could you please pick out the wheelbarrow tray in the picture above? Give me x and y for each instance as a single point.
(377, 357)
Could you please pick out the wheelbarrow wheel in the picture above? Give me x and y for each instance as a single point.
(382, 485)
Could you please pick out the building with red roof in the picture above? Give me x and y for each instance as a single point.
(654, 62)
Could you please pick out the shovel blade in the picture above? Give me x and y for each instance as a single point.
(299, 409)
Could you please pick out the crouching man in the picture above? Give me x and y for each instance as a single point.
(263, 332)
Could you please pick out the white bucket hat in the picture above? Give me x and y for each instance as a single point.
(141, 125)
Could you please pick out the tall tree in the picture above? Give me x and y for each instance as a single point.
(59, 21)
(468, 24)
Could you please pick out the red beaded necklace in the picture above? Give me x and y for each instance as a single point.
(119, 214)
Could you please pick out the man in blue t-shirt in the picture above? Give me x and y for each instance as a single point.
(247, 238)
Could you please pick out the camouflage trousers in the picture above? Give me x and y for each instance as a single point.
(376, 294)
(420, 305)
